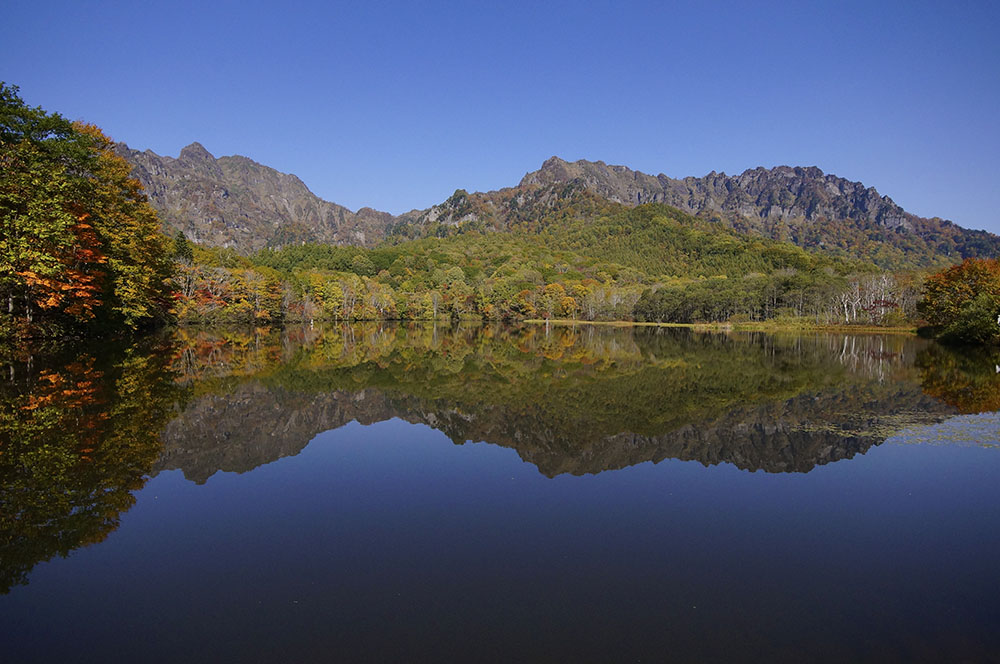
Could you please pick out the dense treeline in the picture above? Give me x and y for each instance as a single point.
(507, 276)
(81, 250)
(80, 247)
(824, 298)
(648, 263)
(962, 303)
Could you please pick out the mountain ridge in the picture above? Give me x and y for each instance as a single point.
(804, 205)
(233, 201)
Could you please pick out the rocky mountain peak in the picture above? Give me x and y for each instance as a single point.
(195, 153)
(782, 192)
(239, 203)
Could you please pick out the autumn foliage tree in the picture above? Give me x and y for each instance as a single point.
(962, 302)
(80, 246)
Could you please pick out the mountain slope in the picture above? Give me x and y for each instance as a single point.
(236, 202)
(803, 205)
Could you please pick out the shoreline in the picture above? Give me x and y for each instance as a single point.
(736, 327)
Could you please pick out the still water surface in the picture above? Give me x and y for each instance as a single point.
(376, 493)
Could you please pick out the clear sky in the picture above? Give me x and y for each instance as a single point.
(395, 105)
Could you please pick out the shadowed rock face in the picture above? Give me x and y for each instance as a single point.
(236, 202)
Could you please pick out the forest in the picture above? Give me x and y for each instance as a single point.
(82, 253)
(80, 246)
(681, 275)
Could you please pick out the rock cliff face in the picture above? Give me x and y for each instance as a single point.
(783, 192)
(802, 205)
(236, 202)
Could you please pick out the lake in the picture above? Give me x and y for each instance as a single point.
(495, 494)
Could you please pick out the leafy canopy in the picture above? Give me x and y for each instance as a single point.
(962, 302)
(80, 245)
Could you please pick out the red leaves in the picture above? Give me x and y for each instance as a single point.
(76, 289)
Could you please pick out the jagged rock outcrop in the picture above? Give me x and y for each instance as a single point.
(802, 205)
(236, 202)
(783, 192)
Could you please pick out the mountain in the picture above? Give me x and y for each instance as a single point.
(779, 193)
(805, 206)
(236, 202)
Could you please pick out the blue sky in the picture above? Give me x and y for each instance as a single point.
(395, 105)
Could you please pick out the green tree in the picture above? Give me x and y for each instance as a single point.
(183, 251)
(79, 243)
(363, 266)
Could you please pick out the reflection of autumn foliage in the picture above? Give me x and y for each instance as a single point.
(567, 398)
(965, 378)
(201, 355)
(582, 376)
(77, 437)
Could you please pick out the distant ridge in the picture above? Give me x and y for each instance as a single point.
(783, 192)
(236, 202)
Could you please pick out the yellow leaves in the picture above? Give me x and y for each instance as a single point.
(94, 243)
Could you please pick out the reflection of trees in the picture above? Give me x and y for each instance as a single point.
(966, 378)
(78, 434)
(569, 400)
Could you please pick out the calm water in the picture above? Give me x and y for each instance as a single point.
(378, 493)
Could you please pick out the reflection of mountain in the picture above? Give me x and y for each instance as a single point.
(255, 426)
(607, 400)
(78, 429)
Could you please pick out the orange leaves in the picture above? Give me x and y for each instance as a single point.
(950, 295)
(72, 389)
(87, 244)
(31, 278)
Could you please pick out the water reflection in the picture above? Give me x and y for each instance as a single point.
(966, 378)
(78, 435)
(81, 430)
(570, 400)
